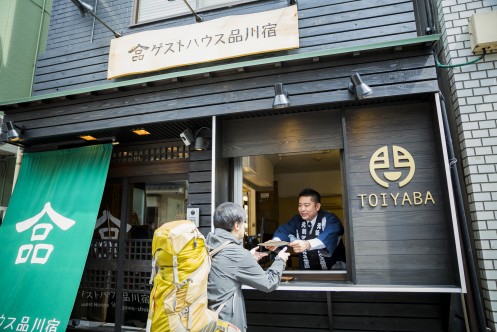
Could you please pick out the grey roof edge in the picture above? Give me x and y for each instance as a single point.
(241, 64)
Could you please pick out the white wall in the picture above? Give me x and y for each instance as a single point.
(326, 183)
(474, 93)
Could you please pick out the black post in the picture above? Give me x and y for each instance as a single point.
(119, 312)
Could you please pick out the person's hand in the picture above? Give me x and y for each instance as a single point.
(300, 245)
(283, 254)
(271, 248)
(258, 255)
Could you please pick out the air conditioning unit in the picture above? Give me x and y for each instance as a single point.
(483, 32)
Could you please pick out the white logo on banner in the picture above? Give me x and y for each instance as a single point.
(40, 252)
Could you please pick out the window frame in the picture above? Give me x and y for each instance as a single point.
(336, 277)
(136, 5)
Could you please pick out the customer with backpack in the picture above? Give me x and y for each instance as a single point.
(234, 266)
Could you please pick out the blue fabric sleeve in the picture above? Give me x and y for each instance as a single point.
(286, 229)
(329, 236)
(331, 232)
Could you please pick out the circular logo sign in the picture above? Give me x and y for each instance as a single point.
(401, 171)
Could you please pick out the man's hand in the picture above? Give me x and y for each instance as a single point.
(271, 248)
(283, 254)
(258, 255)
(300, 245)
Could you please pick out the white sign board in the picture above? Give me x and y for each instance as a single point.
(223, 38)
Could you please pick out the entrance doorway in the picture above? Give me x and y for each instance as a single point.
(115, 285)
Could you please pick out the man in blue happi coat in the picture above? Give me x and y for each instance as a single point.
(315, 235)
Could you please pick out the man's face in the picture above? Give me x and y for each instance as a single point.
(308, 209)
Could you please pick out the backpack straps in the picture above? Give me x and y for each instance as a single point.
(212, 253)
(219, 248)
(154, 268)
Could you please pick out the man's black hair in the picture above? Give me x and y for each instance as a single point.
(308, 192)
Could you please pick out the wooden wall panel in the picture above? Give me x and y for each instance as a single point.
(282, 134)
(148, 169)
(76, 55)
(307, 84)
(311, 84)
(345, 311)
(199, 191)
(409, 242)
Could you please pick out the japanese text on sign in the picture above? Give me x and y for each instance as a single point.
(223, 38)
(28, 324)
(236, 36)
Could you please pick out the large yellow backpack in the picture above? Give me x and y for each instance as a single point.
(180, 269)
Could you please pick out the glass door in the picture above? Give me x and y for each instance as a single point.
(114, 290)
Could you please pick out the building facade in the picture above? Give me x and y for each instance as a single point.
(23, 31)
(380, 159)
(473, 101)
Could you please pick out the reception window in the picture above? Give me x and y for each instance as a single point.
(275, 157)
(271, 186)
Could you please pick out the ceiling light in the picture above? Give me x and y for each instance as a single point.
(141, 132)
(88, 137)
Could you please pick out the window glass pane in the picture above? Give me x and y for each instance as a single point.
(149, 10)
(210, 3)
(153, 205)
(155, 9)
(166, 202)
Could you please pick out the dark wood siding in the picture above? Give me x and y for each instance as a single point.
(199, 192)
(311, 84)
(282, 311)
(282, 134)
(76, 56)
(403, 243)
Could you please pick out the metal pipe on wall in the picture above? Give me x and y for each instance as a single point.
(465, 232)
(93, 24)
(429, 18)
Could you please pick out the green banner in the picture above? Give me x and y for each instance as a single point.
(46, 234)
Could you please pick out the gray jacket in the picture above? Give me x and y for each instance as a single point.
(231, 268)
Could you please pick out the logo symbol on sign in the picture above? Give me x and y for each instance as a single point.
(41, 251)
(402, 170)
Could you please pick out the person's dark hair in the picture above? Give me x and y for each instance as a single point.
(308, 192)
(227, 214)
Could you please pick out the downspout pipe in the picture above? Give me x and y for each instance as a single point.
(465, 232)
